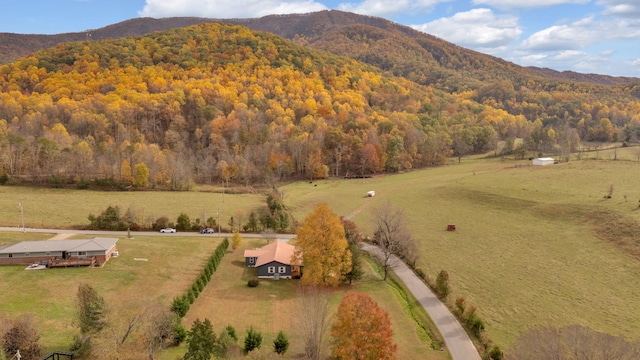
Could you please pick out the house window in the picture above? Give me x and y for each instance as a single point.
(82, 253)
(10, 255)
(27, 254)
(271, 269)
(282, 269)
(252, 260)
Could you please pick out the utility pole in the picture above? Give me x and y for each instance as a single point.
(22, 216)
(218, 220)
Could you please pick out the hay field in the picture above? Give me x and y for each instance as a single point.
(69, 208)
(533, 245)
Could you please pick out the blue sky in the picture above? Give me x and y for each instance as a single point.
(588, 36)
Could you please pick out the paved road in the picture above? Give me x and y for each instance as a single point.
(456, 339)
(281, 237)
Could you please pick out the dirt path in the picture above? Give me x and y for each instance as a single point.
(61, 236)
(456, 339)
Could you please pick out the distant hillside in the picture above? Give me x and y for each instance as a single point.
(406, 52)
(15, 46)
(217, 102)
(590, 78)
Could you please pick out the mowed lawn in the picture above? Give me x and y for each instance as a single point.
(533, 246)
(149, 270)
(274, 306)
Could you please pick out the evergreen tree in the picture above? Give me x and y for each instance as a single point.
(281, 343)
(356, 271)
(91, 309)
(201, 341)
(253, 340)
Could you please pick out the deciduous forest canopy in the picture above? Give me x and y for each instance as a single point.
(215, 103)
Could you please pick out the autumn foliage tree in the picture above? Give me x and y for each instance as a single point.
(362, 330)
(324, 248)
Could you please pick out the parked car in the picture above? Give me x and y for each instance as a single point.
(207, 231)
(168, 230)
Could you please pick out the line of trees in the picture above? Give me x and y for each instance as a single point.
(181, 304)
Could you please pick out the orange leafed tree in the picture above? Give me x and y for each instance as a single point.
(324, 246)
(362, 330)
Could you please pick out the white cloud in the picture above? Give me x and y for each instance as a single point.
(475, 28)
(558, 37)
(227, 9)
(621, 8)
(386, 8)
(525, 4)
(581, 34)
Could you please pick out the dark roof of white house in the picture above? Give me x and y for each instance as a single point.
(94, 244)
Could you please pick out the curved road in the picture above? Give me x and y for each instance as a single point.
(456, 339)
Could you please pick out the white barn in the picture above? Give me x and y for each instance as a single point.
(543, 161)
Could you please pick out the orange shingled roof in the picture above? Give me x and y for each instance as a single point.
(276, 251)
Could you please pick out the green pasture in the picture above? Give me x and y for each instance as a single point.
(533, 245)
(68, 208)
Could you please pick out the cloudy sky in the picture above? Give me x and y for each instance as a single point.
(589, 36)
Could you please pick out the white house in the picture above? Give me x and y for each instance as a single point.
(543, 161)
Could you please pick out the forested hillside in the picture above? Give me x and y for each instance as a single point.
(217, 103)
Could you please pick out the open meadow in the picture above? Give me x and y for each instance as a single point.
(533, 246)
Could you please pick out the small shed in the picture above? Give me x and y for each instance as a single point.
(543, 161)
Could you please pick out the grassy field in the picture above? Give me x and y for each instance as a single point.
(148, 270)
(533, 245)
(65, 208)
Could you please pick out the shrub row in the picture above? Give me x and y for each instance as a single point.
(467, 315)
(181, 304)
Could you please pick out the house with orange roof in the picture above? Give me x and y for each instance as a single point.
(277, 260)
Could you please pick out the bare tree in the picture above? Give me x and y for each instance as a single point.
(268, 234)
(118, 339)
(312, 313)
(22, 336)
(157, 330)
(393, 237)
(573, 342)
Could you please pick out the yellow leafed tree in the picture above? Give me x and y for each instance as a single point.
(324, 247)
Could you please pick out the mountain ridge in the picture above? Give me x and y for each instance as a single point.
(317, 30)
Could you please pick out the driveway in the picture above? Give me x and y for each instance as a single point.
(456, 339)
